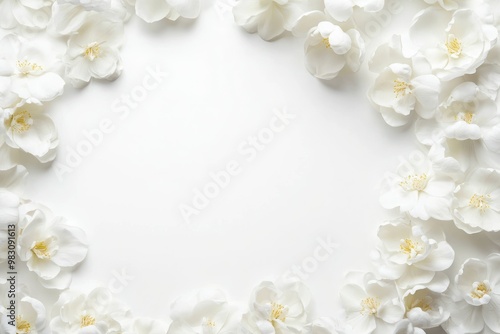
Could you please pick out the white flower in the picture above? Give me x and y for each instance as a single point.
(95, 313)
(425, 308)
(29, 314)
(419, 190)
(33, 14)
(469, 114)
(454, 43)
(322, 325)
(477, 202)
(406, 327)
(402, 85)
(414, 253)
(156, 10)
(94, 51)
(341, 10)
(475, 308)
(446, 4)
(32, 317)
(270, 18)
(68, 16)
(454, 157)
(26, 67)
(147, 326)
(206, 312)
(50, 246)
(329, 48)
(26, 127)
(372, 306)
(277, 311)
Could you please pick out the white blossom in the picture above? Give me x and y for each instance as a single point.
(477, 202)
(403, 85)
(156, 10)
(94, 51)
(372, 306)
(276, 310)
(475, 306)
(406, 327)
(26, 127)
(50, 247)
(28, 70)
(341, 10)
(415, 253)
(454, 43)
(469, 114)
(146, 326)
(329, 47)
(416, 188)
(425, 308)
(34, 14)
(270, 18)
(95, 313)
(206, 312)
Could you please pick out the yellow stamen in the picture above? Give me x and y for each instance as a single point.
(92, 51)
(22, 326)
(468, 117)
(277, 312)
(25, 67)
(20, 121)
(410, 247)
(479, 290)
(326, 41)
(480, 202)
(87, 320)
(414, 182)
(369, 306)
(41, 250)
(454, 47)
(401, 88)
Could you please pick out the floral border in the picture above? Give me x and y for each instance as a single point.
(443, 76)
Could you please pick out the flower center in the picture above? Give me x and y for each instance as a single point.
(479, 290)
(278, 312)
(454, 47)
(22, 326)
(401, 88)
(87, 320)
(480, 202)
(92, 51)
(414, 182)
(25, 67)
(41, 250)
(422, 303)
(369, 306)
(208, 326)
(467, 117)
(410, 247)
(21, 121)
(326, 41)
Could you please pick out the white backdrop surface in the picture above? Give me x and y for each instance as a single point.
(317, 179)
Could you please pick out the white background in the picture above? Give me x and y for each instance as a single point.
(319, 177)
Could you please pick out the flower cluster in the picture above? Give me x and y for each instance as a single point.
(443, 76)
(48, 44)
